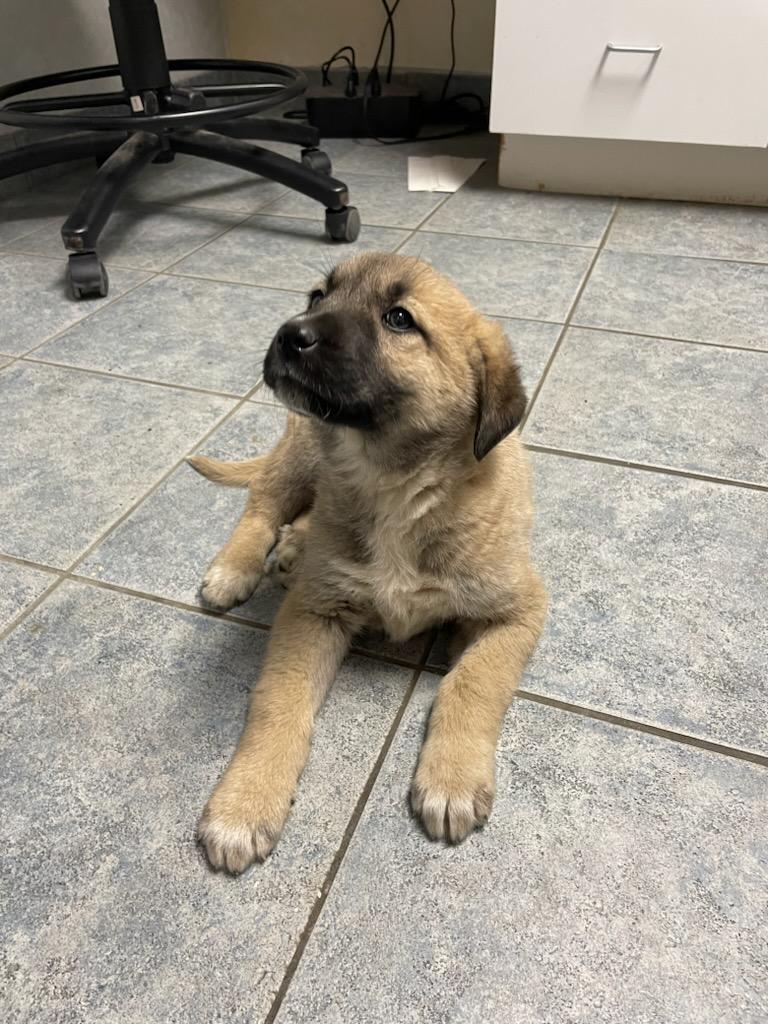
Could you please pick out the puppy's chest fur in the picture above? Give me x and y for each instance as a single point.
(389, 574)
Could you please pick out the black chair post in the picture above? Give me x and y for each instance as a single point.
(139, 46)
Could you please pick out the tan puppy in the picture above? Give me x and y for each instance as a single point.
(410, 507)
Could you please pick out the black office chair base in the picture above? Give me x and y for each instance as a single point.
(159, 121)
(87, 276)
(118, 169)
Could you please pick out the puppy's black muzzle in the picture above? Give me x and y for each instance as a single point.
(298, 337)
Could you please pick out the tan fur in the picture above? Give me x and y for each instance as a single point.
(424, 522)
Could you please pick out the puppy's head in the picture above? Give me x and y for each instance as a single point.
(389, 346)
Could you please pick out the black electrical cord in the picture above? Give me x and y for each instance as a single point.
(449, 76)
(372, 82)
(339, 55)
(391, 26)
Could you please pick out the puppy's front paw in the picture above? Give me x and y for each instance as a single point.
(453, 792)
(225, 586)
(242, 822)
(287, 553)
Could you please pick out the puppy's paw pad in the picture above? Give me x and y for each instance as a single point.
(224, 587)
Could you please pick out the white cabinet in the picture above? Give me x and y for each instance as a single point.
(703, 78)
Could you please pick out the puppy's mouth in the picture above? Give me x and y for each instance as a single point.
(309, 395)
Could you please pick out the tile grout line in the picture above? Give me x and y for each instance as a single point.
(422, 665)
(28, 563)
(635, 725)
(233, 619)
(151, 275)
(646, 467)
(632, 724)
(413, 231)
(69, 572)
(566, 323)
(665, 337)
(260, 212)
(341, 851)
(96, 372)
(170, 602)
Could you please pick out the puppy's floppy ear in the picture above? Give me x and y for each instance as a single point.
(501, 398)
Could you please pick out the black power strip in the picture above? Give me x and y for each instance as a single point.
(394, 113)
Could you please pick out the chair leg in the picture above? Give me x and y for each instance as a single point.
(81, 230)
(270, 130)
(315, 184)
(58, 151)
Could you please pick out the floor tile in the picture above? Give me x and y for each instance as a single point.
(620, 878)
(658, 598)
(79, 449)
(482, 208)
(28, 211)
(164, 547)
(36, 303)
(366, 156)
(508, 278)
(205, 334)
(189, 181)
(695, 299)
(120, 715)
(532, 343)
(254, 430)
(691, 229)
(665, 403)
(380, 200)
(19, 182)
(19, 587)
(282, 252)
(146, 236)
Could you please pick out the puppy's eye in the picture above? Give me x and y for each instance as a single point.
(399, 319)
(315, 297)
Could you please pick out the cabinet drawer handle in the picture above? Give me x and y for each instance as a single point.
(632, 49)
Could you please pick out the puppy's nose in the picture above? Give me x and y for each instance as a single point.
(298, 335)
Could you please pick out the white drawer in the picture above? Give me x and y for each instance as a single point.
(553, 73)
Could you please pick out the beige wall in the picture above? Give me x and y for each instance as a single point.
(41, 36)
(304, 33)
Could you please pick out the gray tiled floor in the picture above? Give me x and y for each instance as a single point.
(602, 889)
(694, 299)
(279, 250)
(19, 586)
(206, 185)
(653, 401)
(144, 236)
(508, 277)
(623, 873)
(205, 334)
(380, 199)
(35, 303)
(479, 208)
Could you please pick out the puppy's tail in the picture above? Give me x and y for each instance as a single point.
(229, 474)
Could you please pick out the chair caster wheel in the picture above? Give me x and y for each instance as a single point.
(316, 160)
(87, 276)
(342, 225)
